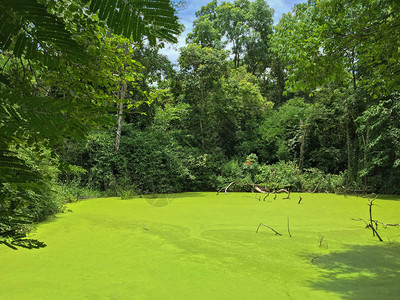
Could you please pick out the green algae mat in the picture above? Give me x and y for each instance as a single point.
(205, 246)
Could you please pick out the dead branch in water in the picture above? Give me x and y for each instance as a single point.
(255, 187)
(374, 231)
(288, 228)
(226, 189)
(282, 191)
(276, 232)
(386, 225)
(288, 196)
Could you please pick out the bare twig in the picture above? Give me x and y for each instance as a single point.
(288, 196)
(313, 259)
(371, 203)
(276, 232)
(300, 200)
(288, 228)
(316, 187)
(366, 224)
(386, 225)
(321, 240)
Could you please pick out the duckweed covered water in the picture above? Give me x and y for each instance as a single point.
(203, 246)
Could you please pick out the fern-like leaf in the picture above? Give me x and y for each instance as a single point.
(35, 31)
(29, 29)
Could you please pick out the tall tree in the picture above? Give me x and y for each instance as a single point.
(244, 27)
(202, 69)
(342, 44)
(37, 38)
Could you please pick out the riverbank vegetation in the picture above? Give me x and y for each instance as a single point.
(90, 107)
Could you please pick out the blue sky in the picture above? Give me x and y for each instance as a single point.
(187, 17)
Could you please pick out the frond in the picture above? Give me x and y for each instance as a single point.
(29, 29)
(46, 117)
(137, 18)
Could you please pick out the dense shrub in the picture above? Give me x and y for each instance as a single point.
(24, 204)
(148, 161)
(282, 175)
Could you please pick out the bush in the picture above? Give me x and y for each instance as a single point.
(282, 175)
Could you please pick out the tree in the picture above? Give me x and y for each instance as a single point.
(50, 37)
(243, 26)
(201, 71)
(379, 128)
(338, 41)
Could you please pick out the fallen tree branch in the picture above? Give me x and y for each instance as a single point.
(226, 189)
(282, 191)
(288, 196)
(258, 189)
(276, 232)
(386, 225)
(368, 225)
(255, 187)
(316, 187)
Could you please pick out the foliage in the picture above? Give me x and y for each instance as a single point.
(379, 128)
(60, 64)
(23, 203)
(281, 175)
(244, 25)
(337, 41)
(41, 33)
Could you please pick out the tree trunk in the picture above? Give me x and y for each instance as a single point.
(120, 112)
(350, 141)
(201, 119)
(302, 142)
(353, 67)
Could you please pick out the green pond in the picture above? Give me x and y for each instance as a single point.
(205, 246)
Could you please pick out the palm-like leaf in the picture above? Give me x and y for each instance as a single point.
(28, 28)
(137, 18)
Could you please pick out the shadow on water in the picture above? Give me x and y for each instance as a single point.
(389, 197)
(361, 272)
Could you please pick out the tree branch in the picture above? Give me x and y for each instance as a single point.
(276, 232)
